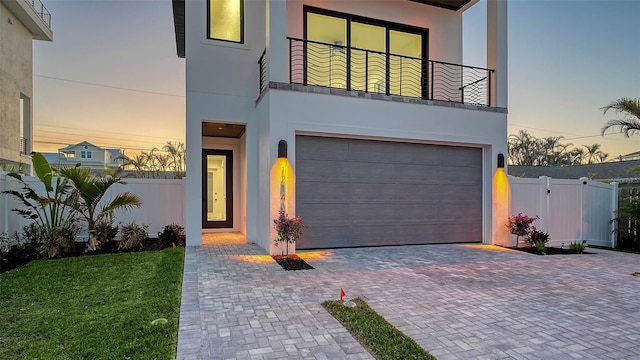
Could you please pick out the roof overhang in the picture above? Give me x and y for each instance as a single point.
(454, 5)
(178, 24)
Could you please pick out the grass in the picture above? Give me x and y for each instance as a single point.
(374, 333)
(92, 307)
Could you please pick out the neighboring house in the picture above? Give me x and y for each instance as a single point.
(21, 22)
(603, 171)
(88, 155)
(388, 138)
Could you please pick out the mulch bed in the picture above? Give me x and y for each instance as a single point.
(19, 256)
(550, 251)
(291, 262)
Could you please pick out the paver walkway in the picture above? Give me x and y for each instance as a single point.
(456, 301)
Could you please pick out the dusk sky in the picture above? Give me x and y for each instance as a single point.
(111, 76)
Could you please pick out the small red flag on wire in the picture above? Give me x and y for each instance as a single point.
(342, 295)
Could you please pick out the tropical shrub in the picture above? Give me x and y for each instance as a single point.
(519, 225)
(105, 232)
(538, 240)
(54, 221)
(289, 229)
(89, 192)
(628, 223)
(172, 235)
(576, 247)
(132, 236)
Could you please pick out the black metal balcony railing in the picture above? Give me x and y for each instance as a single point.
(337, 66)
(24, 146)
(42, 11)
(262, 63)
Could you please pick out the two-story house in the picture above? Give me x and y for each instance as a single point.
(358, 116)
(21, 22)
(87, 155)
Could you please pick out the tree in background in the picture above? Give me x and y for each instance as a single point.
(629, 108)
(526, 149)
(159, 163)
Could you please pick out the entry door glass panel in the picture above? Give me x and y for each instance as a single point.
(326, 51)
(405, 65)
(368, 58)
(217, 189)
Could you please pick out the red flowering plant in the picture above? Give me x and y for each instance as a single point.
(289, 229)
(520, 225)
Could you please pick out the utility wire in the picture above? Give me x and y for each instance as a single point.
(102, 131)
(109, 86)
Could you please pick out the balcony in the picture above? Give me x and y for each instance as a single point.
(24, 146)
(339, 67)
(33, 15)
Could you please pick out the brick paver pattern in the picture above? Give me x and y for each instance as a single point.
(456, 301)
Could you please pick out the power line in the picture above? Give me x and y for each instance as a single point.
(105, 146)
(572, 138)
(102, 131)
(109, 86)
(84, 136)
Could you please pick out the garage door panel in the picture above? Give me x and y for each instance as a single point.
(460, 156)
(418, 154)
(323, 191)
(369, 172)
(309, 148)
(384, 193)
(450, 175)
(318, 213)
(323, 170)
(378, 192)
(417, 173)
(383, 213)
(325, 237)
(372, 151)
(419, 211)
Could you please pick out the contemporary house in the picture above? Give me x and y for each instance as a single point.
(358, 116)
(87, 155)
(21, 22)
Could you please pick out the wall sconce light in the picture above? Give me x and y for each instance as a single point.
(282, 149)
(500, 160)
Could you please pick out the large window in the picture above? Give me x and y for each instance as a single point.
(349, 52)
(226, 20)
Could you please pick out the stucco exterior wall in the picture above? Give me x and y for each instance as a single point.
(16, 77)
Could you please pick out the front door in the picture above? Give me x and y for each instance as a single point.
(217, 188)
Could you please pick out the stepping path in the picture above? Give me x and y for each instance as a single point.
(456, 301)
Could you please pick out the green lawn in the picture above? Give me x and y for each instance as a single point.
(374, 332)
(92, 307)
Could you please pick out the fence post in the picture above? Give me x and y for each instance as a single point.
(4, 204)
(614, 208)
(583, 188)
(544, 202)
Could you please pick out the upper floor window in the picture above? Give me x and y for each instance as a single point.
(225, 20)
(85, 154)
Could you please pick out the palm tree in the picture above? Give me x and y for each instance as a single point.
(630, 123)
(89, 192)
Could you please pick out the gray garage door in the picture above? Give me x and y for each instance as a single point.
(369, 193)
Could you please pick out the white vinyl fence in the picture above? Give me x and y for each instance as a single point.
(163, 203)
(569, 210)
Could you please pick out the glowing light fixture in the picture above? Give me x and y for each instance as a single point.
(501, 160)
(282, 149)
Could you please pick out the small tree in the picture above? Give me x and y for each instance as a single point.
(289, 229)
(519, 225)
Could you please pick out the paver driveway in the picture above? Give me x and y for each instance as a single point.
(456, 301)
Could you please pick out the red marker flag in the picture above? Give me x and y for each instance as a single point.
(342, 295)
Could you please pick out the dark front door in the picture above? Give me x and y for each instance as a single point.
(217, 188)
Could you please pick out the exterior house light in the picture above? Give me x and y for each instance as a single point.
(282, 149)
(501, 160)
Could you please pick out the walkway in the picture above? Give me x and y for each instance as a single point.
(456, 301)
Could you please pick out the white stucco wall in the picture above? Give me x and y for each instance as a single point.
(16, 77)
(292, 113)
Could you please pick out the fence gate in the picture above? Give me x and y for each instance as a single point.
(569, 210)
